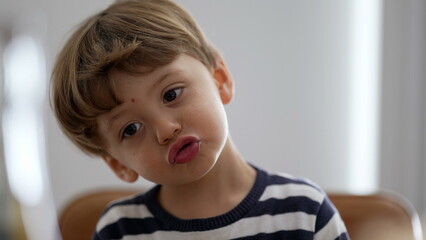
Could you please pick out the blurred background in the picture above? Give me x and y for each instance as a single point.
(330, 90)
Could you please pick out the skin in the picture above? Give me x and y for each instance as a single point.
(183, 98)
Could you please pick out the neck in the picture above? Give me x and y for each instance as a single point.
(222, 189)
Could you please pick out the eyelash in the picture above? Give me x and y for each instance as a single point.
(177, 92)
(123, 134)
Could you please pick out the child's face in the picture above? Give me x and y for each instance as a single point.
(172, 126)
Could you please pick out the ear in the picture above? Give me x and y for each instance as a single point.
(124, 173)
(224, 81)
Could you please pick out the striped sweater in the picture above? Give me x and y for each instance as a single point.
(277, 207)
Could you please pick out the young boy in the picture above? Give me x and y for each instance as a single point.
(139, 85)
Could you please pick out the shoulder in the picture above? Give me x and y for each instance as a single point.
(282, 186)
(301, 195)
(124, 207)
(120, 211)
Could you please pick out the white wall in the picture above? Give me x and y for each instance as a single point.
(290, 63)
(403, 124)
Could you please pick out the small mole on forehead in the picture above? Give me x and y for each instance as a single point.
(133, 100)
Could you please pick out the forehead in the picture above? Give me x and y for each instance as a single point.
(183, 64)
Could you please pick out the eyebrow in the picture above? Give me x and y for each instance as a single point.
(165, 76)
(113, 119)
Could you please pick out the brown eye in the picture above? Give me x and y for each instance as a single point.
(171, 95)
(131, 129)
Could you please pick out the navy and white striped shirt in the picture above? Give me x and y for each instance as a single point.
(278, 206)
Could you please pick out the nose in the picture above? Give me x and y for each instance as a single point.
(166, 130)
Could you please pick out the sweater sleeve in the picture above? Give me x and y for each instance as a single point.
(329, 224)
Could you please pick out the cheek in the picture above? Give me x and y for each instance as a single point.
(141, 156)
(212, 118)
(132, 154)
(143, 160)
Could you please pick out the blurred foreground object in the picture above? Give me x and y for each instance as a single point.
(11, 226)
(24, 101)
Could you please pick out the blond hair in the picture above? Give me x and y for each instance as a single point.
(130, 33)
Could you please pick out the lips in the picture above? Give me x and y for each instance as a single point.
(183, 150)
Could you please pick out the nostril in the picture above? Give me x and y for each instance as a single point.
(177, 130)
(165, 140)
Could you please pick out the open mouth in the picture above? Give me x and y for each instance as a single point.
(185, 146)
